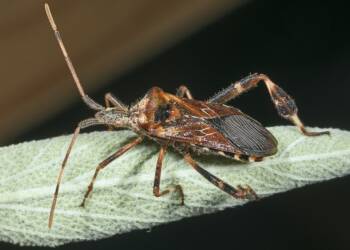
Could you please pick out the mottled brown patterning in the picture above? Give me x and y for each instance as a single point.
(187, 125)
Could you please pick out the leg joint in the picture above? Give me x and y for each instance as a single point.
(156, 192)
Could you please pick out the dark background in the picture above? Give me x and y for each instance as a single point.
(304, 47)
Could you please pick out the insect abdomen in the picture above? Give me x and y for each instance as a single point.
(232, 155)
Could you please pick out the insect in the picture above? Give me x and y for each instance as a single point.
(187, 125)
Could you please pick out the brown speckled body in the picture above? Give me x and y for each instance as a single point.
(186, 125)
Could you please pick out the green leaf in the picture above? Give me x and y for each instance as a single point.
(123, 200)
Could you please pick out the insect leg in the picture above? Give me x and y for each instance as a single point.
(184, 91)
(284, 104)
(83, 124)
(105, 162)
(156, 191)
(111, 100)
(239, 192)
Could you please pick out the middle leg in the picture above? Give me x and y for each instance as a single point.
(156, 189)
(284, 104)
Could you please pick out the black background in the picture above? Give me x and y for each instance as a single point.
(304, 47)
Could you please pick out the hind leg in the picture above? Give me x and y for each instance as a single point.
(284, 104)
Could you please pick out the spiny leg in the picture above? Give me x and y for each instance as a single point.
(239, 192)
(105, 162)
(83, 124)
(156, 191)
(284, 104)
(184, 91)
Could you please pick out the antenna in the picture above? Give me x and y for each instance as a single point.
(64, 51)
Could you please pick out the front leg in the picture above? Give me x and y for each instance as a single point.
(112, 101)
(105, 163)
(284, 104)
(184, 91)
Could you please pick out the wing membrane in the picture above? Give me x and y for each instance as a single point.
(246, 134)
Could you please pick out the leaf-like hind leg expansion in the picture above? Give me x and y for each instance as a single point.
(105, 162)
(156, 189)
(284, 104)
(239, 192)
(183, 91)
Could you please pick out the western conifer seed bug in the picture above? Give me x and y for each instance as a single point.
(187, 125)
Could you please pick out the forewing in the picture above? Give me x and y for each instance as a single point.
(246, 134)
(194, 131)
(218, 127)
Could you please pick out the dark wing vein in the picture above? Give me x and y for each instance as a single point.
(246, 134)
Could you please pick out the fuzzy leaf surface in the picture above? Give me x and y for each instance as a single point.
(123, 200)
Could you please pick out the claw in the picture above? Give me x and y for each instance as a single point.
(295, 119)
(245, 192)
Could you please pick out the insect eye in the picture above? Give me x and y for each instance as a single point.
(162, 113)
